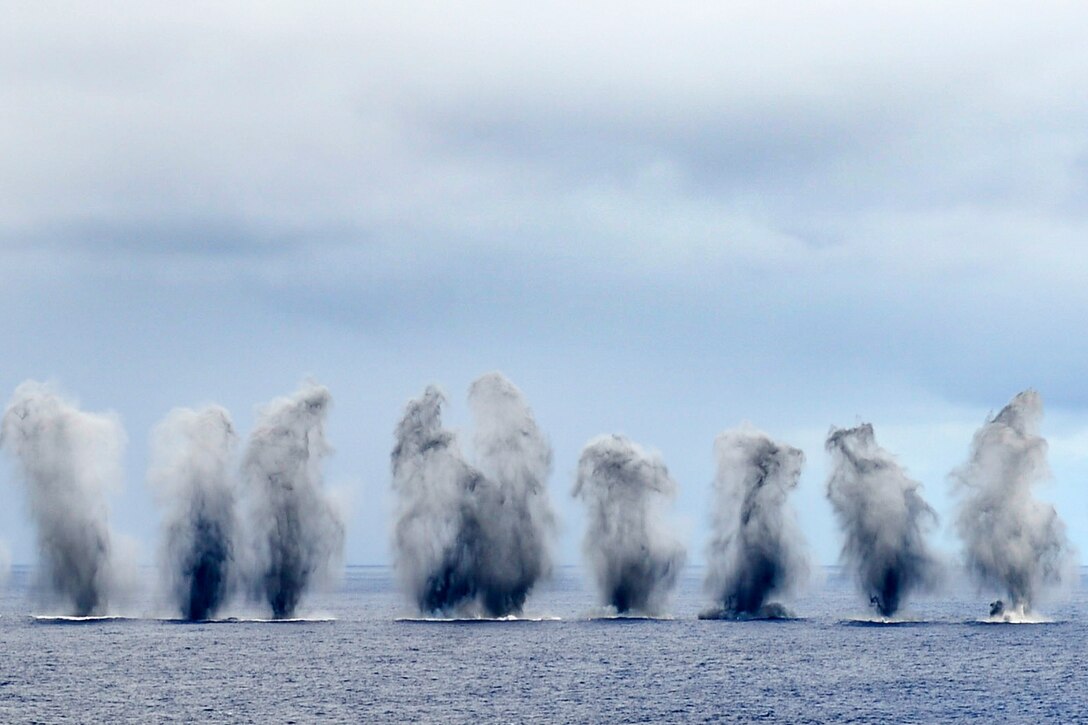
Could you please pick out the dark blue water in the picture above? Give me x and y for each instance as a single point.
(366, 666)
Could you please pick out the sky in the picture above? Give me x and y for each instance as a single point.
(659, 220)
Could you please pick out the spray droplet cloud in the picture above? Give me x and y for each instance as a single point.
(69, 460)
(297, 530)
(192, 475)
(883, 518)
(756, 551)
(1014, 543)
(472, 539)
(634, 558)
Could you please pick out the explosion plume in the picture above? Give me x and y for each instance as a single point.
(472, 539)
(757, 551)
(1014, 542)
(298, 532)
(191, 472)
(634, 559)
(69, 461)
(884, 519)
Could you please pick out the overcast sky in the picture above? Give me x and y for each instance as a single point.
(659, 220)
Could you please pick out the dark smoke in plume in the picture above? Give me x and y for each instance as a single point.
(69, 461)
(298, 532)
(634, 559)
(1014, 543)
(884, 519)
(192, 457)
(472, 540)
(757, 551)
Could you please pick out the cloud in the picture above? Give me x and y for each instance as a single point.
(368, 116)
(884, 203)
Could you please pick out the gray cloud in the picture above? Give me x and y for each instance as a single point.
(862, 193)
(408, 116)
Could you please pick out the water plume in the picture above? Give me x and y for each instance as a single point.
(634, 558)
(472, 539)
(297, 531)
(756, 551)
(884, 519)
(1014, 543)
(69, 460)
(191, 473)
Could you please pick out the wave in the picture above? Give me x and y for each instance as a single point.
(732, 617)
(105, 618)
(79, 619)
(877, 621)
(1014, 618)
(772, 612)
(508, 618)
(256, 620)
(472, 619)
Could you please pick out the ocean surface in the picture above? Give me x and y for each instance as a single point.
(357, 659)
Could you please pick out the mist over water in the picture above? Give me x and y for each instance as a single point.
(192, 476)
(883, 518)
(68, 461)
(757, 551)
(5, 563)
(469, 539)
(633, 556)
(296, 529)
(1013, 542)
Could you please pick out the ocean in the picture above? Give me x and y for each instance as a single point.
(361, 655)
